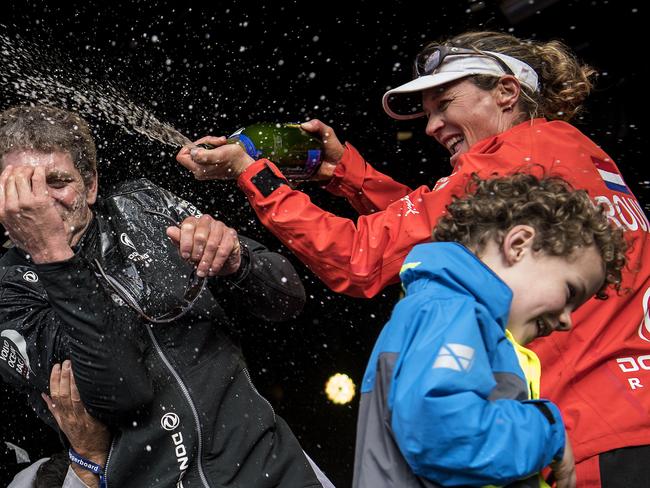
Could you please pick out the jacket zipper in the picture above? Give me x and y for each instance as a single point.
(248, 377)
(187, 396)
(125, 293)
(108, 458)
(184, 389)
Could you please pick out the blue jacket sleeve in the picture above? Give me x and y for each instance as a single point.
(443, 422)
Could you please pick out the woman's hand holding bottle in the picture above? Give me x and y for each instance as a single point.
(307, 151)
(333, 149)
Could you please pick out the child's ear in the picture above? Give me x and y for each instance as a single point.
(517, 242)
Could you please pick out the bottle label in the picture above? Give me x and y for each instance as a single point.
(249, 146)
(313, 160)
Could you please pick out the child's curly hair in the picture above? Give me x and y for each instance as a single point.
(564, 218)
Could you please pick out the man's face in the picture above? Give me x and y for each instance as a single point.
(72, 198)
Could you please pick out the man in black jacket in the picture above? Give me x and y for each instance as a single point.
(131, 289)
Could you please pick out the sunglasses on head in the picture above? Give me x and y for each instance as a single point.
(430, 60)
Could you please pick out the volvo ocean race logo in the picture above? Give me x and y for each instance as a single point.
(126, 240)
(135, 255)
(13, 357)
(19, 342)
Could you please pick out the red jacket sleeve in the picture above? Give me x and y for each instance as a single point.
(357, 258)
(360, 258)
(367, 189)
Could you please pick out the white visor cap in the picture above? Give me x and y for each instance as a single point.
(455, 67)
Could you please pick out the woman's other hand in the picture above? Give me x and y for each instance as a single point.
(333, 148)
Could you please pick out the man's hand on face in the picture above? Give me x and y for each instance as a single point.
(29, 214)
(208, 243)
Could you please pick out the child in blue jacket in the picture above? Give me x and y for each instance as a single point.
(450, 396)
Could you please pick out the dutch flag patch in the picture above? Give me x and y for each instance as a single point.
(610, 175)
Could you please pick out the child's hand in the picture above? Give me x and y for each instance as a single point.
(565, 470)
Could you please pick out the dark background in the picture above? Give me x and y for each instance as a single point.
(211, 69)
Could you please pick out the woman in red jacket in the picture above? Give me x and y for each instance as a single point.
(499, 105)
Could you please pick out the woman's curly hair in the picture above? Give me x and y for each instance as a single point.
(565, 82)
(565, 219)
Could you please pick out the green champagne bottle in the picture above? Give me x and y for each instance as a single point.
(295, 151)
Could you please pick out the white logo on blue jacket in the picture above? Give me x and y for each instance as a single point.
(458, 357)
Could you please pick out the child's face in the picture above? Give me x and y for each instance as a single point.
(546, 289)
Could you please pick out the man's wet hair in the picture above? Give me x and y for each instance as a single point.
(48, 129)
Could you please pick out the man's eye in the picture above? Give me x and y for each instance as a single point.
(56, 184)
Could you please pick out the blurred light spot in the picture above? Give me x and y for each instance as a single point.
(340, 388)
(404, 135)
